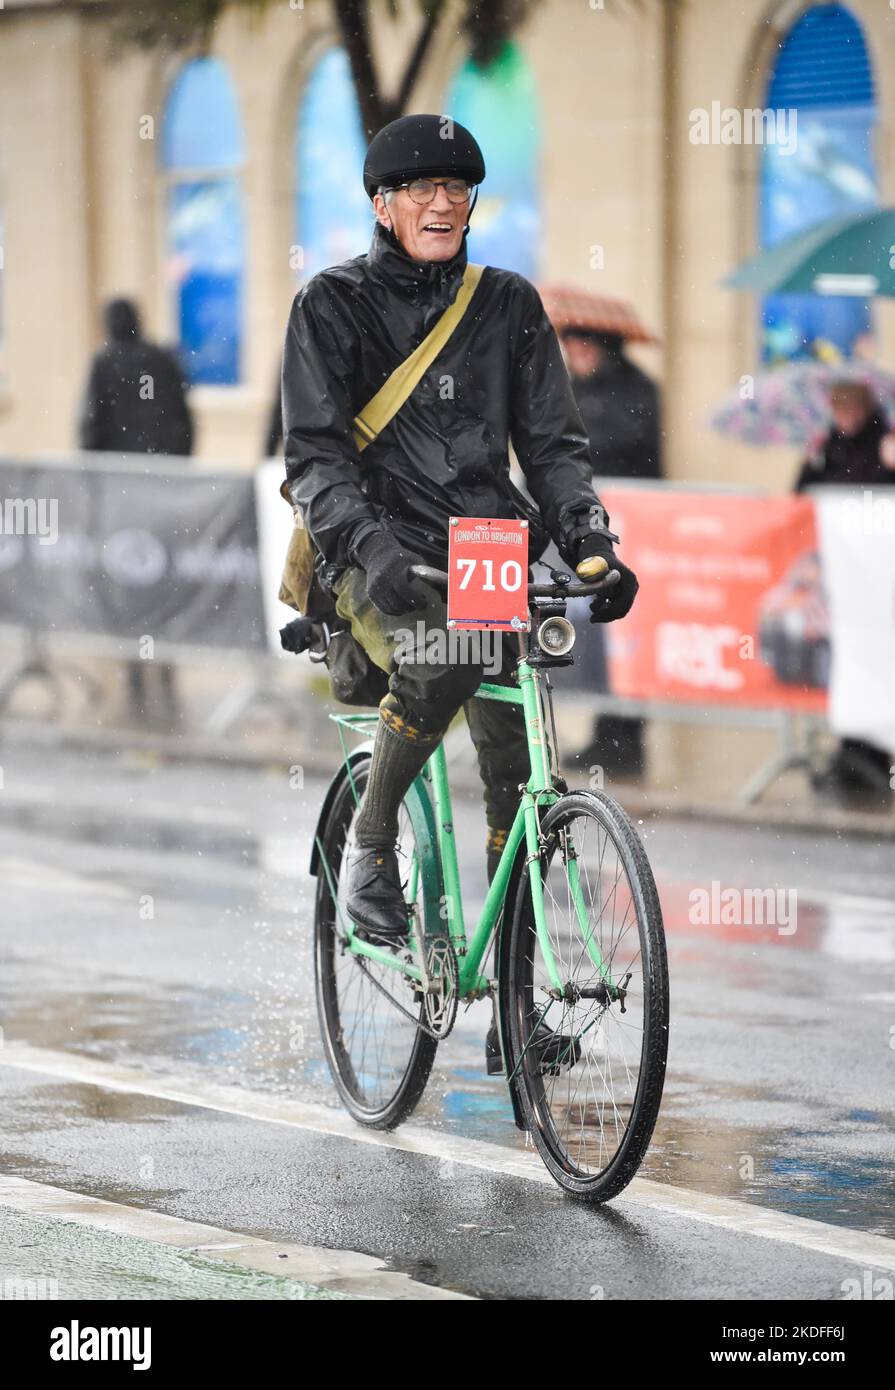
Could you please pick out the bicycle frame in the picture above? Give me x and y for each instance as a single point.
(539, 791)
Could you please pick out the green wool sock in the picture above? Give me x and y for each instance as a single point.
(494, 847)
(397, 760)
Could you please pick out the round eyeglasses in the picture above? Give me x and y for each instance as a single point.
(423, 190)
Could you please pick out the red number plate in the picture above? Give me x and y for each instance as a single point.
(488, 568)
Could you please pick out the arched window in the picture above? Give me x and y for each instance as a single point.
(333, 217)
(202, 154)
(499, 105)
(823, 75)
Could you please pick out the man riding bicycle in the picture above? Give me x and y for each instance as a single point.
(500, 377)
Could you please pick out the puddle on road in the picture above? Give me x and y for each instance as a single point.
(803, 1173)
(262, 1035)
(806, 1171)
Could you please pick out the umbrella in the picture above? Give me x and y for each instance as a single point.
(843, 255)
(790, 404)
(569, 307)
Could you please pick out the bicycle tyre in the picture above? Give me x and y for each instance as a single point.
(525, 1070)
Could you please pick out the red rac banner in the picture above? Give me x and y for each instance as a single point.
(731, 608)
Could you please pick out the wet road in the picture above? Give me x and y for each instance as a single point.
(157, 918)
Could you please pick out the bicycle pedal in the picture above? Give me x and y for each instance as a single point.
(372, 937)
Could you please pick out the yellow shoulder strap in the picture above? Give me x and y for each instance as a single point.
(372, 420)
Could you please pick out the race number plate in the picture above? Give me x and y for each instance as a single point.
(488, 568)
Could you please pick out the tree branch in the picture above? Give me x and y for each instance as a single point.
(351, 17)
(416, 60)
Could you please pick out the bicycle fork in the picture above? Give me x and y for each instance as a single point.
(606, 991)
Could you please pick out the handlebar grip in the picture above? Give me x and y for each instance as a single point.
(594, 567)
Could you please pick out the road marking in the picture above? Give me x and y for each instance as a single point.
(339, 1271)
(37, 874)
(741, 1217)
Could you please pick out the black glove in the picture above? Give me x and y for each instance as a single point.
(617, 601)
(301, 634)
(387, 567)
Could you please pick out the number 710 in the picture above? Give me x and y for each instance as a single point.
(510, 574)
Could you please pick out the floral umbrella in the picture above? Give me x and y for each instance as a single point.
(790, 404)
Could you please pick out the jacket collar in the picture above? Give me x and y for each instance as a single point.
(389, 261)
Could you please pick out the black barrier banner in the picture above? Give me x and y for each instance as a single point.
(132, 550)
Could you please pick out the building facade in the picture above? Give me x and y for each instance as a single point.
(207, 187)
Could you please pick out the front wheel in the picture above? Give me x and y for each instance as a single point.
(588, 1059)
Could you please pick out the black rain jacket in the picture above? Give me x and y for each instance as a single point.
(849, 459)
(118, 415)
(620, 411)
(501, 377)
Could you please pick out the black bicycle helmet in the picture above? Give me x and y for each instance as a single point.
(415, 147)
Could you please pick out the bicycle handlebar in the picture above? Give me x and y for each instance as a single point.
(429, 575)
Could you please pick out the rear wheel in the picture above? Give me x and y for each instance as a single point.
(371, 1018)
(591, 1100)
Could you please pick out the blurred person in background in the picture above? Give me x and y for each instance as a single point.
(858, 451)
(621, 409)
(619, 405)
(135, 403)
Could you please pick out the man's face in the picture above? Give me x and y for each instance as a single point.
(428, 231)
(583, 355)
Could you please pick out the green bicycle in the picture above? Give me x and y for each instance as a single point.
(580, 947)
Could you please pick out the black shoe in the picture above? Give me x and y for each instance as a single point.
(617, 749)
(849, 794)
(555, 1051)
(591, 755)
(375, 896)
(857, 778)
